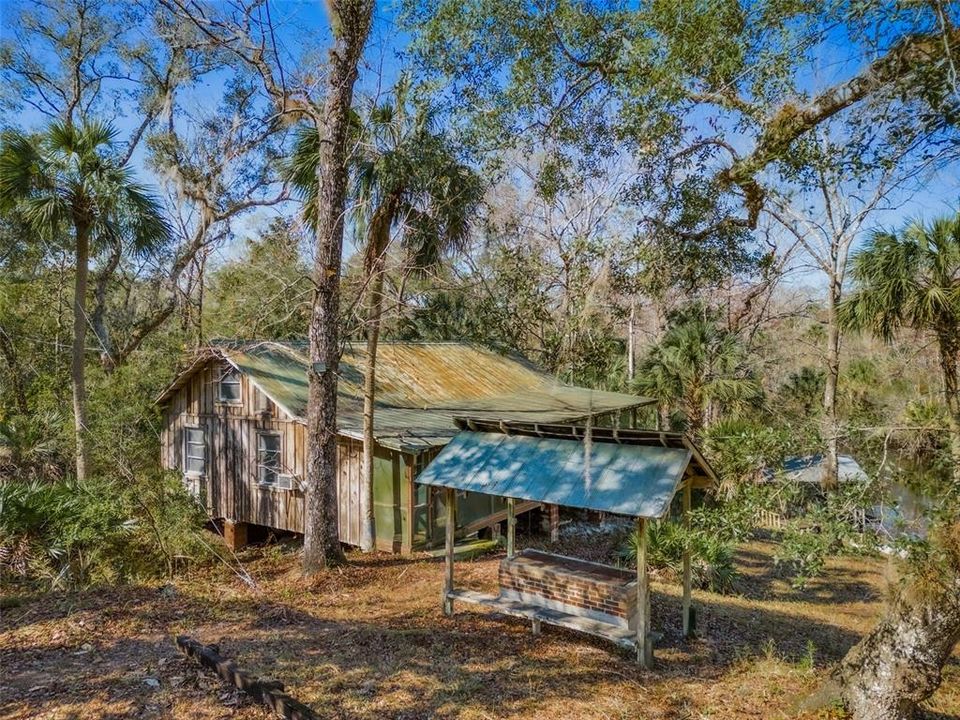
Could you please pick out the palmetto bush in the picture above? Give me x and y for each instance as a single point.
(64, 532)
(711, 556)
(29, 447)
(68, 533)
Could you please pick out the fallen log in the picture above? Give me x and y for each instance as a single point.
(267, 692)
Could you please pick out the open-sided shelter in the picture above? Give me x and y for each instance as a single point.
(234, 426)
(636, 473)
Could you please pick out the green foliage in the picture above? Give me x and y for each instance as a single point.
(908, 280)
(677, 256)
(926, 418)
(740, 450)
(699, 368)
(802, 394)
(71, 534)
(264, 293)
(831, 523)
(682, 87)
(454, 315)
(70, 177)
(711, 556)
(403, 171)
(29, 448)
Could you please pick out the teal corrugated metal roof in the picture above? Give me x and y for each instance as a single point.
(635, 480)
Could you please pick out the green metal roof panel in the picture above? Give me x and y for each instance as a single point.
(281, 375)
(421, 389)
(634, 480)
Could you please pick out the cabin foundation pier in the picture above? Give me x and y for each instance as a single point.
(235, 534)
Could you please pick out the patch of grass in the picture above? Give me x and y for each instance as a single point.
(8, 602)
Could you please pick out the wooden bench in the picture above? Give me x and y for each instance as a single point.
(621, 636)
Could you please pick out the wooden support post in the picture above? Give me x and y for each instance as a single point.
(406, 542)
(535, 625)
(235, 534)
(687, 575)
(554, 523)
(511, 528)
(451, 497)
(644, 641)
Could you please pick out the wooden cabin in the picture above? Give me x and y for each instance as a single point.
(234, 427)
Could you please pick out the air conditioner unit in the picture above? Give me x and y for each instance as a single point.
(290, 482)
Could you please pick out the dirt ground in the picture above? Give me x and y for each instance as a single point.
(369, 641)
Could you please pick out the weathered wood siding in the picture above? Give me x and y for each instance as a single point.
(230, 485)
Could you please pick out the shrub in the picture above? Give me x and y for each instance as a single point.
(29, 448)
(70, 534)
(832, 523)
(711, 556)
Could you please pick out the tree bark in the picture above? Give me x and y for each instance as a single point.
(377, 240)
(350, 22)
(77, 370)
(830, 479)
(9, 353)
(898, 664)
(910, 55)
(949, 347)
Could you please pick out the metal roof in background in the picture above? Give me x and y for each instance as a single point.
(810, 469)
(421, 389)
(634, 480)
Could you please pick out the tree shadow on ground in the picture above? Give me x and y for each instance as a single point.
(417, 659)
(760, 579)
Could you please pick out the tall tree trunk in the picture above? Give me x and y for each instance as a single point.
(377, 241)
(830, 426)
(898, 664)
(9, 353)
(350, 23)
(949, 347)
(77, 374)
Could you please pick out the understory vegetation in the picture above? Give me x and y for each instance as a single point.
(67, 534)
(671, 200)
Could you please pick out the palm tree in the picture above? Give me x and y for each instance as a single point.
(68, 186)
(911, 280)
(407, 178)
(698, 368)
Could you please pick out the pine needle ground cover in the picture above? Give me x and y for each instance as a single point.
(369, 641)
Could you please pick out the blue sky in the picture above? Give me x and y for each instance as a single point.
(303, 32)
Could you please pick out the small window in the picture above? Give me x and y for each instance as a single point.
(229, 387)
(268, 458)
(194, 452)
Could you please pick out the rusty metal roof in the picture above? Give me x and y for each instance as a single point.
(422, 388)
(592, 473)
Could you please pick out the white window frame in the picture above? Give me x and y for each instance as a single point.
(277, 470)
(187, 457)
(234, 379)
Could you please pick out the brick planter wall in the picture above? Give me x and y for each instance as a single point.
(573, 586)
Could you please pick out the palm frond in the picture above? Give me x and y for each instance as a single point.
(911, 279)
(20, 168)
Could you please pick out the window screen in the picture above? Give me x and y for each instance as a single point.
(268, 458)
(194, 452)
(229, 387)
